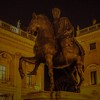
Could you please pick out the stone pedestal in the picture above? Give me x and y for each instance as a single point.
(62, 95)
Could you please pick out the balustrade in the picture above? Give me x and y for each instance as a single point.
(88, 29)
(16, 30)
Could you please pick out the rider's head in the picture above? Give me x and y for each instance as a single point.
(56, 13)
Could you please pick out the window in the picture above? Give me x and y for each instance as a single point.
(93, 77)
(29, 80)
(92, 46)
(3, 97)
(2, 72)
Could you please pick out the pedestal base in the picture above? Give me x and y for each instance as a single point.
(59, 95)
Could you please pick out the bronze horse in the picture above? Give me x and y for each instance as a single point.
(46, 49)
(44, 46)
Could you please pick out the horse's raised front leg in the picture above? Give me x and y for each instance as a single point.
(31, 60)
(34, 71)
(49, 63)
(20, 68)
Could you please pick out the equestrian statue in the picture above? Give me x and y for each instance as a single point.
(56, 47)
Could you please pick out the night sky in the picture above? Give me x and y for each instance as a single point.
(80, 12)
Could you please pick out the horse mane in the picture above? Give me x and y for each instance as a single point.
(47, 22)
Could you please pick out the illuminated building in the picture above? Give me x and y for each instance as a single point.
(90, 39)
(15, 43)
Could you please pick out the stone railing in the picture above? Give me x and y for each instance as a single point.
(16, 30)
(88, 29)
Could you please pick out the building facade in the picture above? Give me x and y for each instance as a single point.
(15, 43)
(90, 39)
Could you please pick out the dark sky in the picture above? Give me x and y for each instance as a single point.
(80, 12)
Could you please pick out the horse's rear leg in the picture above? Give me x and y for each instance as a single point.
(74, 75)
(50, 67)
(81, 75)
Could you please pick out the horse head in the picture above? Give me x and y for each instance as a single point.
(39, 22)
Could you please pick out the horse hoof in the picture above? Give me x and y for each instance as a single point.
(75, 82)
(22, 75)
(78, 89)
(32, 73)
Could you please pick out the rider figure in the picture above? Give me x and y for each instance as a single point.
(56, 15)
(61, 25)
(63, 31)
(56, 12)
